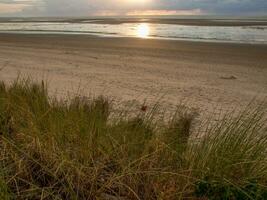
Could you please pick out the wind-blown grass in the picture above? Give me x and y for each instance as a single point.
(52, 149)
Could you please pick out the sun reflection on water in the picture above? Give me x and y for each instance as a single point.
(143, 30)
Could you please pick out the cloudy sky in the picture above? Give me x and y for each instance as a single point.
(131, 7)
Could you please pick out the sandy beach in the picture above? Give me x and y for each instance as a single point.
(205, 76)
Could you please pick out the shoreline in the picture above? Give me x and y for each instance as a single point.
(110, 36)
(47, 34)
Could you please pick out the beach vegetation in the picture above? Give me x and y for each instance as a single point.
(80, 148)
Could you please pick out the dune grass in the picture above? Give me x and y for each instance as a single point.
(52, 149)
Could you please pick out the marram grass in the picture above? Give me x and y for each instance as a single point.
(52, 149)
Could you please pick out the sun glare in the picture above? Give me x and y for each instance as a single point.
(138, 1)
(143, 30)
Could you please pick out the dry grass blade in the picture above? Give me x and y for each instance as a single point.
(74, 150)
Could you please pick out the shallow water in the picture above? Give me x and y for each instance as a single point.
(235, 34)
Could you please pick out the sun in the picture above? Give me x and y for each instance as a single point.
(143, 30)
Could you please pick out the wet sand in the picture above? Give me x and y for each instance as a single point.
(205, 76)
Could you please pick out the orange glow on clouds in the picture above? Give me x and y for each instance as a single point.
(165, 12)
(149, 12)
(12, 8)
(138, 1)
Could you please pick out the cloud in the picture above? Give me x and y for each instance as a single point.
(7, 7)
(164, 12)
(124, 7)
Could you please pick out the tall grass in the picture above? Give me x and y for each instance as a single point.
(52, 149)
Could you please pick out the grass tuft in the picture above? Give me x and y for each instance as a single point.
(75, 149)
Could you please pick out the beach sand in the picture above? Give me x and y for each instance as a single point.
(211, 77)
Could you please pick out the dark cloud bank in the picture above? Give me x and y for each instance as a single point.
(121, 7)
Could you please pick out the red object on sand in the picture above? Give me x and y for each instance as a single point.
(144, 108)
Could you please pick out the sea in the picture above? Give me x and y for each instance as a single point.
(146, 28)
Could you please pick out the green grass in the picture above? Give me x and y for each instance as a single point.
(52, 149)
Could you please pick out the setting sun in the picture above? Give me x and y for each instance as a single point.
(143, 30)
(137, 1)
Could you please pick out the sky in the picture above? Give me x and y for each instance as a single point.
(60, 8)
